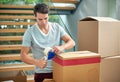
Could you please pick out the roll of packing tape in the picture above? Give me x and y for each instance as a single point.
(49, 54)
(47, 50)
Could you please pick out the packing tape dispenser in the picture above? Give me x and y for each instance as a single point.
(49, 54)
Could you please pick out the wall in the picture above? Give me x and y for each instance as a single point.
(103, 8)
(85, 8)
(118, 9)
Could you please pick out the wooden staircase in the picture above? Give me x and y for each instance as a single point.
(14, 20)
(11, 34)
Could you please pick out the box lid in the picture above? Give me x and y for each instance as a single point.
(77, 58)
(77, 55)
(91, 18)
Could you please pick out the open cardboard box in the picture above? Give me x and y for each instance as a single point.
(15, 76)
(100, 35)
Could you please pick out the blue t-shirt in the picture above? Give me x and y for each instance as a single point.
(38, 41)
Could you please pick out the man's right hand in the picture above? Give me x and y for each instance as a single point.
(41, 63)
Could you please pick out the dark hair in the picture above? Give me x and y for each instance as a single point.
(41, 8)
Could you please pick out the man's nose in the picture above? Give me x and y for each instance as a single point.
(43, 21)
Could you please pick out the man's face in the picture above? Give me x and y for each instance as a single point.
(42, 19)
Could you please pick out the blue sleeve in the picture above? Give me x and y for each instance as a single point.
(27, 38)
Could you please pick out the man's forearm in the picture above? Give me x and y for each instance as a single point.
(68, 45)
(27, 59)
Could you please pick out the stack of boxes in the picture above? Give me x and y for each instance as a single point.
(102, 35)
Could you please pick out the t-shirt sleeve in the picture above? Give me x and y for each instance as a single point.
(62, 30)
(27, 38)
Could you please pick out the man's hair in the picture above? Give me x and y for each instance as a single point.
(41, 8)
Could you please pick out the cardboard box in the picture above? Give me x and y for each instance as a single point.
(15, 76)
(119, 42)
(48, 80)
(99, 35)
(79, 66)
(110, 69)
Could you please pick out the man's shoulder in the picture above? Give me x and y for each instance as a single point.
(53, 23)
(32, 27)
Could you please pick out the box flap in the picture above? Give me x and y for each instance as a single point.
(77, 55)
(90, 18)
(111, 57)
(11, 73)
(77, 58)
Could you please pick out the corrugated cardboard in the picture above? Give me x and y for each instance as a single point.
(119, 42)
(99, 35)
(79, 66)
(48, 80)
(110, 69)
(15, 76)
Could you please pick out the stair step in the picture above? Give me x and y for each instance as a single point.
(65, 1)
(16, 67)
(31, 7)
(10, 47)
(4, 57)
(15, 23)
(30, 78)
(16, 17)
(12, 30)
(10, 38)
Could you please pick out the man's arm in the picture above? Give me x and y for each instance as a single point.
(41, 63)
(69, 43)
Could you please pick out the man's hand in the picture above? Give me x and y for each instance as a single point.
(41, 63)
(57, 49)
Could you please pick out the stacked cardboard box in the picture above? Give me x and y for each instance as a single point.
(97, 34)
(79, 66)
(13, 76)
(102, 35)
(110, 69)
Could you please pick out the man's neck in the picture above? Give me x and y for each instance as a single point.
(44, 29)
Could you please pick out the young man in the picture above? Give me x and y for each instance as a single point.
(41, 35)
